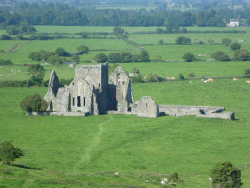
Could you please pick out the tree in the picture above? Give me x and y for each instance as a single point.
(75, 58)
(242, 54)
(226, 41)
(220, 56)
(118, 30)
(37, 71)
(56, 60)
(247, 72)
(224, 174)
(114, 57)
(189, 57)
(33, 103)
(144, 56)
(181, 76)
(160, 42)
(101, 57)
(5, 37)
(235, 46)
(183, 40)
(8, 153)
(83, 49)
(173, 23)
(61, 52)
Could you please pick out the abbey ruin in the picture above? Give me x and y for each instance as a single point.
(92, 92)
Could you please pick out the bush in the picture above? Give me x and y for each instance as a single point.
(224, 174)
(181, 76)
(226, 41)
(247, 72)
(220, 56)
(8, 153)
(160, 42)
(5, 37)
(101, 57)
(189, 57)
(183, 40)
(235, 46)
(33, 103)
(5, 62)
(242, 54)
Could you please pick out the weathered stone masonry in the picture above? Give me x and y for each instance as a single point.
(93, 93)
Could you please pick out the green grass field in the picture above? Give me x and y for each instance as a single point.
(87, 151)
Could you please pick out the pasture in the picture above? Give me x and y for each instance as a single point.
(87, 151)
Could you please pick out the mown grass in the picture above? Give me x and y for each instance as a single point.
(87, 151)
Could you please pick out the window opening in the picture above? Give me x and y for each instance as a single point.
(78, 101)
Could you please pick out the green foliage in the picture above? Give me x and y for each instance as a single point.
(225, 175)
(220, 56)
(8, 152)
(118, 30)
(226, 41)
(75, 58)
(235, 46)
(33, 103)
(183, 40)
(101, 57)
(160, 42)
(114, 57)
(39, 56)
(61, 52)
(242, 54)
(36, 70)
(189, 57)
(82, 49)
(144, 56)
(5, 37)
(247, 72)
(5, 62)
(181, 76)
(56, 60)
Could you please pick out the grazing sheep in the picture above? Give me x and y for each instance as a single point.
(248, 81)
(235, 79)
(190, 82)
(163, 182)
(117, 173)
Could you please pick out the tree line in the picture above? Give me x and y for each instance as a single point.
(65, 15)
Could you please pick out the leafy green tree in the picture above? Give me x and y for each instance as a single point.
(12, 30)
(75, 58)
(37, 71)
(101, 57)
(247, 72)
(242, 54)
(83, 49)
(114, 57)
(160, 42)
(5, 37)
(33, 103)
(144, 56)
(159, 30)
(220, 56)
(189, 57)
(8, 153)
(61, 52)
(5, 62)
(235, 46)
(183, 40)
(225, 175)
(181, 76)
(126, 56)
(55, 60)
(226, 41)
(118, 30)
(173, 23)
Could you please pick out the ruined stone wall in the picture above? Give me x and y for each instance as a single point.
(146, 107)
(56, 114)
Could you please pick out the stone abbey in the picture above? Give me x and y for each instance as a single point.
(93, 92)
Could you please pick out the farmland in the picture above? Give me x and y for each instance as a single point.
(87, 151)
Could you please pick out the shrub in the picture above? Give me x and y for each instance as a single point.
(226, 41)
(8, 153)
(160, 42)
(101, 57)
(247, 72)
(224, 174)
(33, 103)
(242, 54)
(183, 40)
(235, 46)
(5, 37)
(181, 76)
(5, 62)
(220, 56)
(189, 57)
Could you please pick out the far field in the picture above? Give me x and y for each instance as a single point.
(87, 151)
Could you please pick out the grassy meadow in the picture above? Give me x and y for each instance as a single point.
(87, 151)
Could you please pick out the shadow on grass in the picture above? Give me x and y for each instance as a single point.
(25, 167)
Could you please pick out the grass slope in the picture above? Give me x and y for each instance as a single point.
(78, 151)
